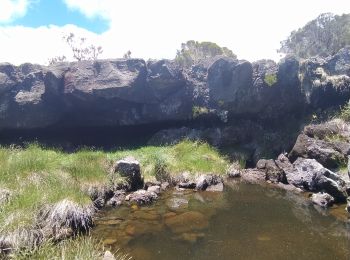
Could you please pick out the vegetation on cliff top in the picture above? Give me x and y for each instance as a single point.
(323, 36)
(192, 52)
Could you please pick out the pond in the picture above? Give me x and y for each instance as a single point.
(244, 222)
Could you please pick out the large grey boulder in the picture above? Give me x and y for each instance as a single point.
(273, 173)
(310, 175)
(129, 169)
(329, 153)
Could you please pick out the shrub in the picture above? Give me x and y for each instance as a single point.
(198, 111)
(270, 79)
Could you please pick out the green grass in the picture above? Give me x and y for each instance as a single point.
(37, 176)
(83, 248)
(345, 112)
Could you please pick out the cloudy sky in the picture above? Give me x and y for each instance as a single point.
(32, 30)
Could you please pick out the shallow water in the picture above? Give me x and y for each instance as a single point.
(244, 222)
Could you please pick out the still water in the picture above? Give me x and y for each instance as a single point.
(244, 222)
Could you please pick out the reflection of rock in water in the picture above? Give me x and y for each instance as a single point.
(303, 210)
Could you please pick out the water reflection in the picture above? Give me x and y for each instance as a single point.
(245, 222)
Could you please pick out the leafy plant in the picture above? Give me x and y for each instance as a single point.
(270, 79)
(198, 111)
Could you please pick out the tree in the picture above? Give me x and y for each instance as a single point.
(192, 52)
(323, 36)
(81, 50)
(127, 55)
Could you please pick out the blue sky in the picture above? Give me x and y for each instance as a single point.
(56, 12)
(32, 30)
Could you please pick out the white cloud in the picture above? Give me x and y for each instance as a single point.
(91, 8)
(36, 45)
(10, 9)
(253, 29)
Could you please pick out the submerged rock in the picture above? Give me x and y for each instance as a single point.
(187, 222)
(177, 203)
(141, 197)
(129, 168)
(323, 200)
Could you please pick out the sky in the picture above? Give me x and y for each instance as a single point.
(32, 30)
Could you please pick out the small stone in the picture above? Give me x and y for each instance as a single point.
(155, 189)
(347, 208)
(164, 185)
(141, 197)
(323, 200)
(4, 195)
(108, 256)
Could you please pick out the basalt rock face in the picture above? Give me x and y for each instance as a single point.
(131, 92)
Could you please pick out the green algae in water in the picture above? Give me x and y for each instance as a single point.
(244, 222)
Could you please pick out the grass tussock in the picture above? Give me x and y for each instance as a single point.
(81, 248)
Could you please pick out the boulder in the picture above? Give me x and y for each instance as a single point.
(155, 189)
(329, 154)
(310, 175)
(129, 168)
(273, 173)
(234, 171)
(324, 200)
(117, 199)
(141, 197)
(204, 181)
(253, 175)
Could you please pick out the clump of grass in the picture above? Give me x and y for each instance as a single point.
(81, 248)
(345, 112)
